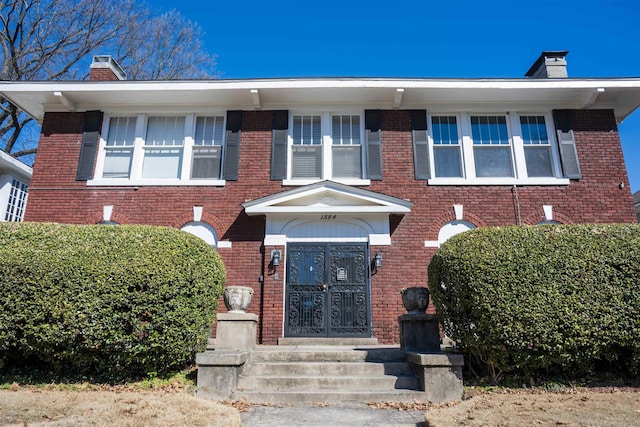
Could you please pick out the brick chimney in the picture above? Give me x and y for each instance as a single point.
(104, 67)
(550, 65)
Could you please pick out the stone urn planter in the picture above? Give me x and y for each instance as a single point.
(415, 300)
(237, 298)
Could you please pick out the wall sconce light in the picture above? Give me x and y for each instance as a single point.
(276, 256)
(377, 260)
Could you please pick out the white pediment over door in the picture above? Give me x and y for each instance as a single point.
(327, 211)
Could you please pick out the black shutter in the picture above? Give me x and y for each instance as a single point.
(90, 138)
(232, 145)
(566, 144)
(279, 145)
(420, 144)
(372, 125)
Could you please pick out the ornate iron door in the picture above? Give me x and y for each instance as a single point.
(327, 291)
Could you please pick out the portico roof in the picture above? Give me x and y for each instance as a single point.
(326, 197)
(620, 94)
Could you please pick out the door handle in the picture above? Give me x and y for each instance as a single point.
(324, 287)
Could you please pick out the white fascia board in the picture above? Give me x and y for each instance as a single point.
(15, 167)
(259, 210)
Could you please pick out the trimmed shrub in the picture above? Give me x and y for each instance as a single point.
(544, 300)
(105, 301)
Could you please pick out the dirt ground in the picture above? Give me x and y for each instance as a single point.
(502, 407)
(51, 408)
(573, 407)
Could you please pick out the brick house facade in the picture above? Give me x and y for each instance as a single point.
(403, 187)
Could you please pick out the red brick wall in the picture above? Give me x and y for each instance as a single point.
(55, 196)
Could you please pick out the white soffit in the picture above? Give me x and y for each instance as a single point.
(620, 94)
(326, 197)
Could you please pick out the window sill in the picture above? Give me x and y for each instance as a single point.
(117, 182)
(345, 181)
(498, 181)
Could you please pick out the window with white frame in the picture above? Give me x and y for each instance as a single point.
(326, 146)
(17, 201)
(496, 149)
(447, 150)
(537, 147)
(207, 148)
(491, 146)
(306, 151)
(162, 149)
(119, 147)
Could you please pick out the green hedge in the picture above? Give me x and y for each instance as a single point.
(112, 302)
(544, 300)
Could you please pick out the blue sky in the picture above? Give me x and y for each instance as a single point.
(413, 38)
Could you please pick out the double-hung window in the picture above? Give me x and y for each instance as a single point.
(17, 201)
(207, 148)
(537, 147)
(119, 147)
(491, 146)
(447, 150)
(326, 146)
(163, 147)
(306, 151)
(346, 151)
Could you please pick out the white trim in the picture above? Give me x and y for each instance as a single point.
(224, 244)
(107, 210)
(548, 212)
(431, 244)
(122, 182)
(499, 181)
(345, 181)
(197, 213)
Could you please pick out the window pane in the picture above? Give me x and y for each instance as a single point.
(162, 163)
(122, 131)
(306, 130)
(489, 130)
(534, 130)
(447, 161)
(538, 160)
(345, 130)
(209, 131)
(347, 162)
(492, 161)
(306, 162)
(445, 130)
(17, 201)
(165, 131)
(206, 163)
(117, 163)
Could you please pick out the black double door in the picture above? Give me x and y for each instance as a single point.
(328, 290)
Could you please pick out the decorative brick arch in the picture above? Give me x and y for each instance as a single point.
(187, 217)
(115, 217)
(535, 218)
(450, 216)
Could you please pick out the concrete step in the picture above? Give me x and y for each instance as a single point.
(328, 341)
(336, 396)
(319, 353)
(327, 368)
(355, 383)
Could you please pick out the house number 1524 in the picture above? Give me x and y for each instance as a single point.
(327, 217)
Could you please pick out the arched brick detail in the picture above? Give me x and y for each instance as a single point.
(535, 218)
(449, 216)
(187, 217)
(115, 216)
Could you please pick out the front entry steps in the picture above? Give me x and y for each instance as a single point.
(323, 373)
